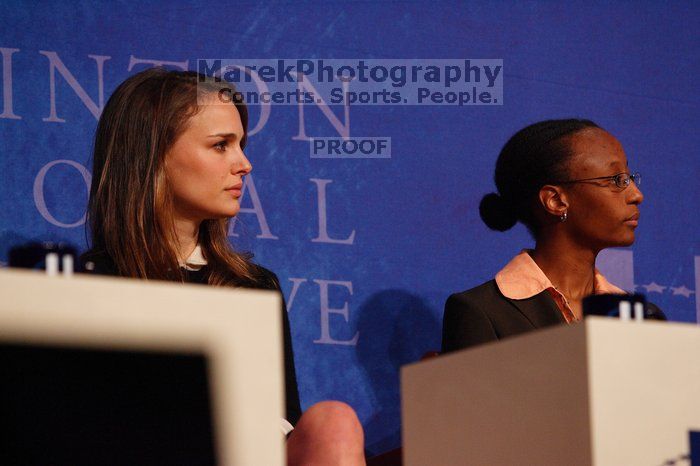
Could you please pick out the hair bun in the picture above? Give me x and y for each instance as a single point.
(496, 213)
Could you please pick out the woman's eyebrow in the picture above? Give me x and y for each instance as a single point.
(222, 135)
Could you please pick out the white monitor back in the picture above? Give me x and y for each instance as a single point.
(238, 332)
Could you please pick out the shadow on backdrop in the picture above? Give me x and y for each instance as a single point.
(397, 328)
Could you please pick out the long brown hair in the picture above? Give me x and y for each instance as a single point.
(130, 206)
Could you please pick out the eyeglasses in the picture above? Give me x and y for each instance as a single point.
(622, 180)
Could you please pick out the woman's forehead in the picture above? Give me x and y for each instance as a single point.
(596, 153)
(216, 118)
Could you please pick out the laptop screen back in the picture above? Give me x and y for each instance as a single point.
(71, 406)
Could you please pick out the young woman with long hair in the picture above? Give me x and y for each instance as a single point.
(168, 168)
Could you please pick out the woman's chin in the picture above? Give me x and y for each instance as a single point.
(222, 214)
(230, 210)
(627, 240)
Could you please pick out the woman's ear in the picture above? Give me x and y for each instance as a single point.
(554, 200)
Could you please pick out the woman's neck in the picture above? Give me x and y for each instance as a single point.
(187, 232)
(569, 267)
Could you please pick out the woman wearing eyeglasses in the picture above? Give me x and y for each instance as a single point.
(569, 183)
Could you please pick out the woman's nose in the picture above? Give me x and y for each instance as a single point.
(242, 165)
(636, 196)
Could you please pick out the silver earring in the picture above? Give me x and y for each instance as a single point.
(564, 216)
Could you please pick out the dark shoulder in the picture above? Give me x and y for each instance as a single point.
(265, 279)
(467, 320)
(484, 293)
(478, 303)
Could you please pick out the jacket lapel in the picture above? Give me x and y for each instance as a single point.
(540, 310)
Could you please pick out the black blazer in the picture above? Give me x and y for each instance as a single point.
(483, 314)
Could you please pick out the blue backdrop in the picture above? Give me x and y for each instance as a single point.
(366, 290)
